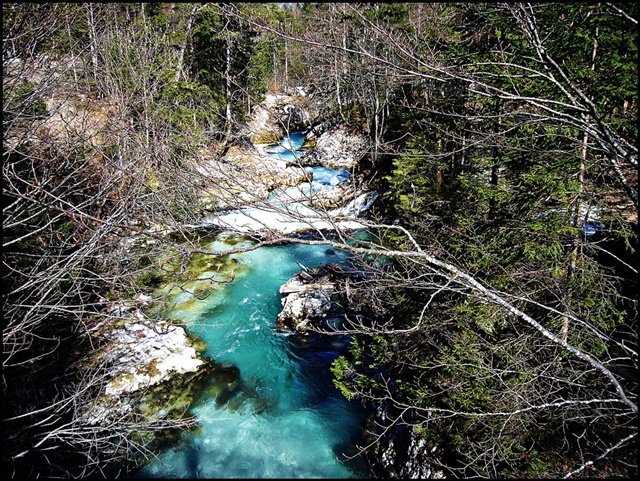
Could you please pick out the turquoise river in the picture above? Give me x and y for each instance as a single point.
(289, 420)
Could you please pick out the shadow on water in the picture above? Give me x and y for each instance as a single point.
(316, 353)
(231, 391)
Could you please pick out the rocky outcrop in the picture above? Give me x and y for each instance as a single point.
(141, 358)
(317, 299)
(278, 115)
(247, 174)
(308, 298)
(335, 147)
(147, 353)
(244, 176)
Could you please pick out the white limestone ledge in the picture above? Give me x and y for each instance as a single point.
(144, 353)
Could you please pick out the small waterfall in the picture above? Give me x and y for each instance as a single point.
(288, 210)
(357, 206)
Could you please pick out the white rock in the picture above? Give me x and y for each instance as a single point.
(144, 300)
(147, 356)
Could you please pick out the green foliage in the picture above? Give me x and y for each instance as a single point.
(150, 279)
(506, 214)
(23, 101)
(188, 107)
(487, 317)
(339, 369)
(393, 13)
(418, 178)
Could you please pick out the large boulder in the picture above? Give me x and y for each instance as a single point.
(276, 116)
(304, 304)
(142, 360)
(148, 353)
(336, 147)
(316, 299)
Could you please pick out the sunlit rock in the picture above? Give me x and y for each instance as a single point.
(149, 353)
(278, 115)
(401, 452)
(337, 148)
(147, 367)
(245, 176)
(303, 304)
(311, 299)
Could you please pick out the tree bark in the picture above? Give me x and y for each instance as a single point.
(183, 43)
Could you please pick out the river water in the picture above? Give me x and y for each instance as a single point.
(285, 418)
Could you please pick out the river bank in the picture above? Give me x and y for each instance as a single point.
(278, 195)
(253, 192)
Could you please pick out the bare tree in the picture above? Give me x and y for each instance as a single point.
(83, 169)
(79, 181)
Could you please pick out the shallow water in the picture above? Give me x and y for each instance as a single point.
(285, 419)
(289, 147)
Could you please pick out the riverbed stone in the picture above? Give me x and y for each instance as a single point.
(338, 147)
(299, 309)
(313, 299)
(142, 362)
(245, 176)
(147, 353)
(278, 115)
(306, 299)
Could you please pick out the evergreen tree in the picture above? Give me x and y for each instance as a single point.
(503, 176)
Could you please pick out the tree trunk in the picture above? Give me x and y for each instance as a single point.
(227, 80)
(183, 43)
(495, 165)
(578, 215)
(92, 41)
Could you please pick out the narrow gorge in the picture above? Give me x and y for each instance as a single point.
(260, 387)
(320, 240)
